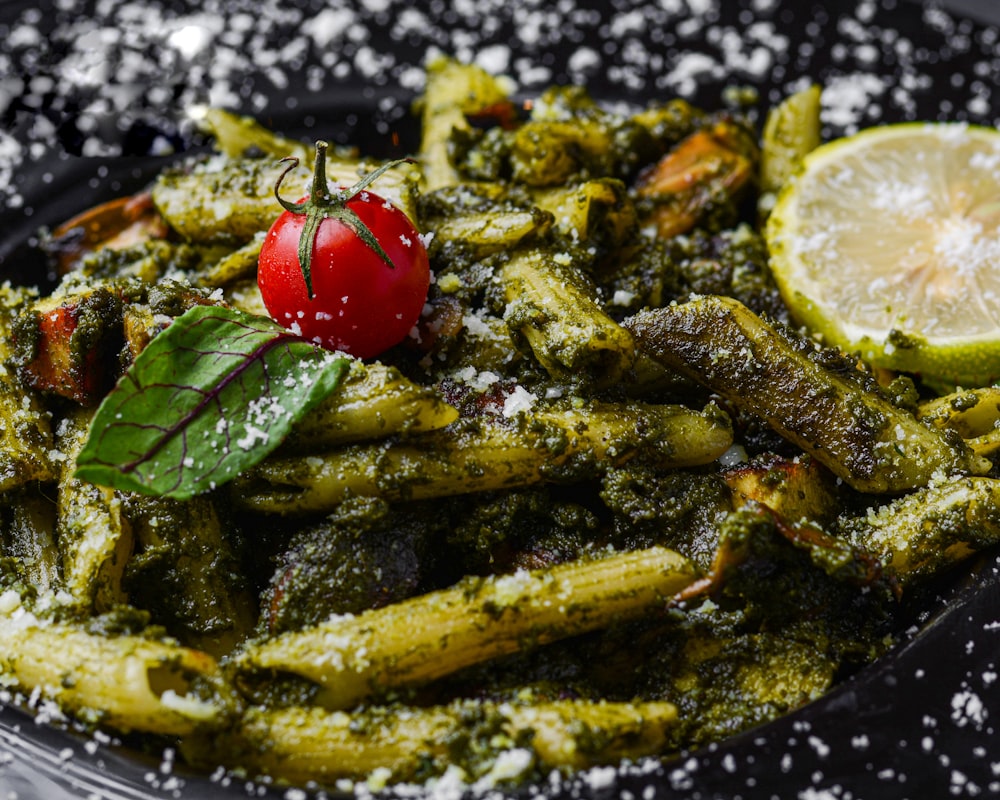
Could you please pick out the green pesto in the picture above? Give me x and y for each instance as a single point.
(648, 276)
(172, 298)
(786, 617)
(365, 554)
(185, 569)
(568, 138)
(724, 685)
(124, 621)
(473, 743)
(902, 340)
(902, 393)
(25, 337)
(733, 263)
(525, 528)
(668, 122)
(13, 576)
(27, 535)
(677, 509)
(26, 435)
(963, 401)
(97, 315)
(148, 260)
(595, 217)
(465, 233)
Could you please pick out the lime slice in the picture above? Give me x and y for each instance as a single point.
(887, 243)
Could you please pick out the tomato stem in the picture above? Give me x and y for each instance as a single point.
(323, 204)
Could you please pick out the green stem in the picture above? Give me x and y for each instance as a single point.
(322, 204)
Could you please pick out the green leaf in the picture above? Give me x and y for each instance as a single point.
(208, 398)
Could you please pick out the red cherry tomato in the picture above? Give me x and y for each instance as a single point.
(359, 304)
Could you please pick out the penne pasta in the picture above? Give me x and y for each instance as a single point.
(428, 636)
(130, 683)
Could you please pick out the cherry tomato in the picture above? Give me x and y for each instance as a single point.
(358, 303)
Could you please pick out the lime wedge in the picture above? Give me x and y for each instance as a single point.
(887, 244)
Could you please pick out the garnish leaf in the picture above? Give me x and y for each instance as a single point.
(207, 398)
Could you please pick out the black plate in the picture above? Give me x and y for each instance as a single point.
(90, 94)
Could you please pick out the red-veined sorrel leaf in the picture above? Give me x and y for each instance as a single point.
(210, 396)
